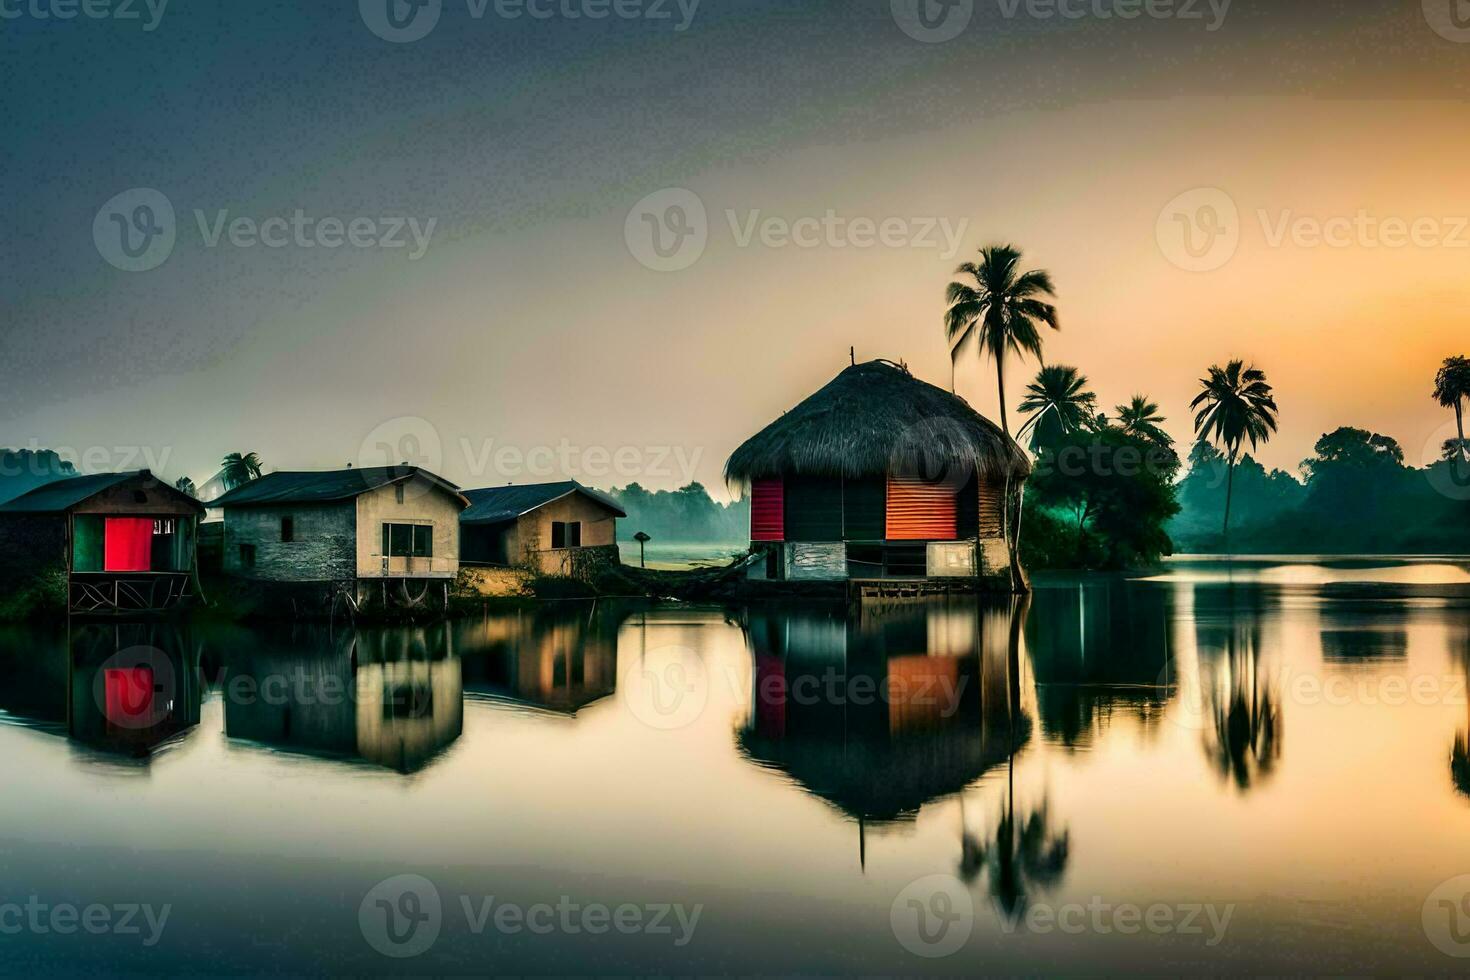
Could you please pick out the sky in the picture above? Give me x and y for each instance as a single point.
(610, 239)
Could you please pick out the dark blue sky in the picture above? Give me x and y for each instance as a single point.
(526, 141)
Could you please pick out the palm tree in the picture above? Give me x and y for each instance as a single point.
(1237, 405)
(1451, 389)
(238, 469)
(1140, 418)
(1059, 403)
(1002, 310)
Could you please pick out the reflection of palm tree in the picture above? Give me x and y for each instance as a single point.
(1237, 405)
(238, 469)
(1022, 855)
(1460, 751)
(1245, 741)
(1059, 403)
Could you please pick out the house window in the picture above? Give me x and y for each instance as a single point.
(247, 556)
(288, 528)
(398, 493)
(566, 534)
(408, 540)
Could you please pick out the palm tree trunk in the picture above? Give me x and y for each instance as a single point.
(1460, 427)
(1229, 491)
(1013, 544)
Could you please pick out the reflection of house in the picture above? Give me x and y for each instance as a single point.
(550, 528)
(124, 541)
(558, 659)
(398, 523)
(133, 688)
(879, 713)
(878, 474)
(390, 697)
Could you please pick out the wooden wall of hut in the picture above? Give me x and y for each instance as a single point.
(871, 509)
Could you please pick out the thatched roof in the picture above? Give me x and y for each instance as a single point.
(873, 419)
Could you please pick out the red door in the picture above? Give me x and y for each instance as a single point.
(128, 544)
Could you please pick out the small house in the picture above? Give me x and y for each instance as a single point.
(123, 542)
(879, 475)
(396, 524)
(550, 528)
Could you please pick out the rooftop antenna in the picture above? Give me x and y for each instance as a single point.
(852, 355)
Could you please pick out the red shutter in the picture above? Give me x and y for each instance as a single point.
(920, 511)
(127, 544)
(767, 510)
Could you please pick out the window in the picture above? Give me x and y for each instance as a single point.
(247, 556)
(566, 535)
(408, 540)
(288, 528)
(162, 526)
(398, 493)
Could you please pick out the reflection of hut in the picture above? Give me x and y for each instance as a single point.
(134, 688)
(867, 714)
(123, 541)
(878, 474)
(392, 697)
(559, 659)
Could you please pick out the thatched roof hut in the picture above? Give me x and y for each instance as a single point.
(879, 474)
(870, 419)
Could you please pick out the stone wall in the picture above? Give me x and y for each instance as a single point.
(323, 546)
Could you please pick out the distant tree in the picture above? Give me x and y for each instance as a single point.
(185, 485)
(1059, 403)
(1141, 418)
(1235, 403)
(1352, 447)
(238, 469)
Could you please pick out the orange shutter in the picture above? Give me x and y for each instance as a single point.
(920, 511)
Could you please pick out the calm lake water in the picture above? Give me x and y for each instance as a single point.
(1242, 766)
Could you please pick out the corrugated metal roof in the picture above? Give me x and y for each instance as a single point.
(62, 495)
(494, 504)
(322, 487)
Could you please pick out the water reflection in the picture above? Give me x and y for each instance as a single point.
(393, 698)
(1099, 646)
(129, 691)
(883, 710)
(561, 658)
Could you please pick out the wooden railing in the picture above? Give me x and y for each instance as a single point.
(107, 593)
